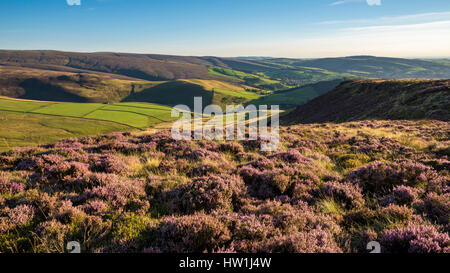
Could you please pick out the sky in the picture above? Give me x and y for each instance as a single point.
(230, 28)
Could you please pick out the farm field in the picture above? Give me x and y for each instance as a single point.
(22, 129)
(33, 122)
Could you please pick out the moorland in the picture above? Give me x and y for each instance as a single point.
(86, 155)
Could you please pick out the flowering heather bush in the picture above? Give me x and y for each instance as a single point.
(194, 233)
(315, 241)
(402, 195)
(10, 187)
(345, 193)
(208, 194)
(231, 147)
(437, 208)
(51, 236)
(202, 154)
(380, 177)
(415, 239)
(16, 217)
(329, 188)
(108, 164)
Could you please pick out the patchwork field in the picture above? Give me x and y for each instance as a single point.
(32, 122)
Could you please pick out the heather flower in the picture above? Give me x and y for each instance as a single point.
(381, 177)
(66, 213)
(203, 154)
(291, 156)
(346, 193)
(314, 241)
(10, 187)
(402, 195)
(95, 207)
(193, 233)
(109, 164)
(20, 215)
(415, 239)
(118, 192)
(66, 169)
(207, 193)
(437, 208)
(231, 147)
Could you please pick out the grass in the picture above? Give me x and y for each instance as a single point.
(138, 115)
(22, 129)
(258, 80)
(297, 96)
(20, 105)
(131, 119)
(68, 109)
(27, 123)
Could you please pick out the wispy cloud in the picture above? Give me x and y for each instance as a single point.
(369, 2)
(431, 16)
(374, 2)
(337, 3)
(420, 26)
(74, 2)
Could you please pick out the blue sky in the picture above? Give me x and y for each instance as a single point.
(281, 28)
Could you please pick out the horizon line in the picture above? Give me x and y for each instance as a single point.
(228, 57)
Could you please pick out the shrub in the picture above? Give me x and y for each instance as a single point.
(17, 217)
(315, 241)
(95, 206)
(415, 239)
(402, 195)
(381, 177)
(109, 164)
(207, 193)
(437, 208)
(193, 233)
(202, 153)
(51, 237)
(347, 193)
(231, 147)
(10, 187)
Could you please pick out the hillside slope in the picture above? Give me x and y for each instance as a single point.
(270, 73)
(98, 87)
(68, 86)
(297, 96)
(377, 99)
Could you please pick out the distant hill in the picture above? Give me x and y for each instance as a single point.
(113, 77)
(297, 96)
(263, 73)
(377, 99)
(67, 86)
(90, 86)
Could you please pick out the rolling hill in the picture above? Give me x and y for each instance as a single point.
(297, 96)
(262, 73)
(99, 87)
(378, 99)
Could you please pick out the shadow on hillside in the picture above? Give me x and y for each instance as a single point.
(172, 93)
(38, 90)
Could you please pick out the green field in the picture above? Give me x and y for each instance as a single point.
(68, 109)
(32, 122)
(137, 115)
(22, 129)
(259, 80)
(297, 96)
